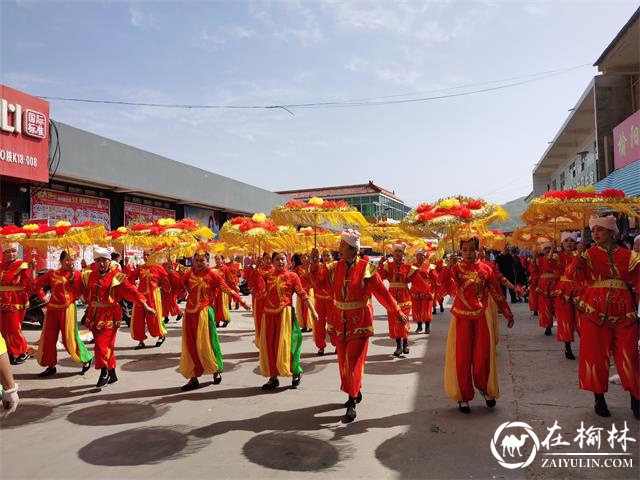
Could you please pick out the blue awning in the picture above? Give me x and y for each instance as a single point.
(627, 179)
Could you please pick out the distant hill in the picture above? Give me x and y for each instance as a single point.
(515, 208)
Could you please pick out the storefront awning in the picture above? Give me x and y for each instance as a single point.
(626, 179)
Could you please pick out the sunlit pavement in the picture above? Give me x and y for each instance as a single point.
(406, 426)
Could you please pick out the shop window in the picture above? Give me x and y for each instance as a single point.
(76, 190)
(149, 203)
(91, 193)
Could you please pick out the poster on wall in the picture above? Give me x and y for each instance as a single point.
(135, 213)
(207, 217)
(70, 207)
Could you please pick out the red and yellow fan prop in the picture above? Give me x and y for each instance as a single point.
(571, 209)
(165, 232)
(257, 233)
(384, 233)
(451, 216)
(62, 235)
(318, 213)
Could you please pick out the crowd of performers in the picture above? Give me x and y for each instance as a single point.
(589, 291)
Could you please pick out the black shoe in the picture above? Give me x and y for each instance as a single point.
(140, 346)
(85, 367)
(398, 350)
(635, 407)
(113, 378)
(435, 310)
(405, 347)
(237, 306)
(350, 414)
(179, 317)
(535, 313)
(217, 378)
(192, 384)
(464, 408)
(600, 406)
(547, 332)
(419, 329)
(359, 397)
(48, 372)
(490, 403)
(20, 359)
(271, 384)
(295, 381)
(160, 341)
(12, 360)
(441, 308)
(224, 324)
(568, 354)
(103, 380)
(165, 320)
(427, 328)
(321, 352)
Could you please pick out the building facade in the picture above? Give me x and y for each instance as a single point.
(81, 176)
(372, 201)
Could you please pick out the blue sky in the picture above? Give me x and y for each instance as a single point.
(287, 52)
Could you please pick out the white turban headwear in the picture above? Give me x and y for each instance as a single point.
(352, 237)
(101, 252)
(566, 235)
(9, 246)
(400, 246)
(608, 222)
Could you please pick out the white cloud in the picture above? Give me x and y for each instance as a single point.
(27, 81)
(239, 32)
(210, 41)
(140, 19)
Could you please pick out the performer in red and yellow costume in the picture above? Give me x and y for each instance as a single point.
(15, 280)
(253, 277)
(201, 353)
(303, 314)
(103, 286)
(61, 316)
(609, 324)
(422, 297)
(149, 278)
(471, 348)
(323, 302)
(169, 294)
(235, 265)
(353, 281)
(564, 302)
(280, 340)
(221, 300)
(400, 274)
(549, 273)
(441, 289)
(532, 268)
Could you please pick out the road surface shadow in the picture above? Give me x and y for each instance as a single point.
(115, 414)
(140, 446)
(152, 362)
(291, 452)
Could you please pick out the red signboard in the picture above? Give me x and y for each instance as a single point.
(135, 213)
(70, 207)
(24, 135)
(626, 141)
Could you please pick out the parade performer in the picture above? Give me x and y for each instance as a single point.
(15, 280)
(609, 325)
(323, 302)
(280, 340)
(532, 268)
(103, 286)
(422, 298)
(221, 300)
(201, 353)
(235, 265)
(567, 290)
(169, 294)
(441, 289)
(400, 274)
(61, 316)
(253, 275)
(149, 278)
(352, 282)
(471, 349)
(549, 272)
(303, 314)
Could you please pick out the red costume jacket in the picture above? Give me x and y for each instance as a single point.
(15, 281)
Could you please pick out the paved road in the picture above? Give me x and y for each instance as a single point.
(406, 427)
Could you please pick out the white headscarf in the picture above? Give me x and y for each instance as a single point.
(352, 237)
(9, 246)
(101, 252)
(565, 235)
(608, 222)
(400, 246)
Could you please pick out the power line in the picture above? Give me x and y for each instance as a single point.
(364, 102)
